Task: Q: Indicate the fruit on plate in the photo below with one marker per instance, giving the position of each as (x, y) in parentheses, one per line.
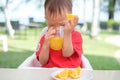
(78, 69)
(75, 73)
(70, 16)
(63, 74)
(69, 73)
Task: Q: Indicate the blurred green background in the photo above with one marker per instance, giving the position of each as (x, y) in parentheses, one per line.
(100, 38)
(100, 53)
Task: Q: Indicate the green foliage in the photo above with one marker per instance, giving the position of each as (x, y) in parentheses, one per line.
(1, 9)
(111, 22)
(103, 25)
(109, 6)
(43, 24)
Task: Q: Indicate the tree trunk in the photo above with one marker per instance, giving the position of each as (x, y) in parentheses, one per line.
(7, 19)
(8, 24)
(111, 8)
(95, 23)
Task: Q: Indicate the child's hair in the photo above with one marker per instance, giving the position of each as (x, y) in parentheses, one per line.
(58, 5)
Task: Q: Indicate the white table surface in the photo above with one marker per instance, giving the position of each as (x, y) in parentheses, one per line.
(45, 74)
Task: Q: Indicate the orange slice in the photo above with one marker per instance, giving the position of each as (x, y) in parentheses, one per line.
(69, 73)
(70, 16)
(78, 69)
(76, 73)
(63, 74)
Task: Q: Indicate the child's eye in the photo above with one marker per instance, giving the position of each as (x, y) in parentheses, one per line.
(62, 24)
(51, 25)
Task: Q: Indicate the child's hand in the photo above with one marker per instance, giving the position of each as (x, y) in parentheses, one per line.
(50, 33)
(70, 25)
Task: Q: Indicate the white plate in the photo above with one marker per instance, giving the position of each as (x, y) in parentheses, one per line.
(85, 75)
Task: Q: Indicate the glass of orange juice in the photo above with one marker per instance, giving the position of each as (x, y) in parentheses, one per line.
(57, 41)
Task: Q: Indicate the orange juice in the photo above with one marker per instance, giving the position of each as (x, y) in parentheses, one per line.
(56, 43)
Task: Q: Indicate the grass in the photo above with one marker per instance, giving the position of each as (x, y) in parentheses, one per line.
(99, 53)
(19, 48)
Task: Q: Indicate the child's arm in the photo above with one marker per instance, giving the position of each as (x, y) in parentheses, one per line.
(44, 53)
(67, 45)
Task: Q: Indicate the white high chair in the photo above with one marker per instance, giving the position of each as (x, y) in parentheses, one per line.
(32, 62)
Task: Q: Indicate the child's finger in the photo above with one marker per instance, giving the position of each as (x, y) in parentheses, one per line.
(50, 28)
(50, 32)
(66, 24)
(76, 20)
(71, 23)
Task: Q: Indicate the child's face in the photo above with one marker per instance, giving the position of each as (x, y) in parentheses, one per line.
(56, 19)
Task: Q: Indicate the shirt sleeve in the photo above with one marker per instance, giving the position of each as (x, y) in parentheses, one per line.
(40, 44)
(77, 42)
